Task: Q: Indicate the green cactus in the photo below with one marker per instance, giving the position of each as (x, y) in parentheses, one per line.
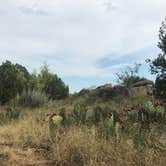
(57, 120)
(149, 113)
(111, 127)
(105, 112)
(160, 112)
(62, 113)
(55, 123)
(149, 106)
(89, 115)
(79, 113)
(117, 130)
(97, 114)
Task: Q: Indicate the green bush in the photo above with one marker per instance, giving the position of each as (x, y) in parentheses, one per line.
(32, 98)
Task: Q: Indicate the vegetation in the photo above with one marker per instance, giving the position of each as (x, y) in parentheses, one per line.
(13, 80)
(158, 65)
(16, 80)
(129, 76)
(104, 133)
(32, 98)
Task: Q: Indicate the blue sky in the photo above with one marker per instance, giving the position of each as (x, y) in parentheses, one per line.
(84, 41)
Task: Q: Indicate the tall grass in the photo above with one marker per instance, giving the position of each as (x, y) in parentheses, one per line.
(32, 98)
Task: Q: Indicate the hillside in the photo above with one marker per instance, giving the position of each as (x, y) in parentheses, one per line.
(125, 130)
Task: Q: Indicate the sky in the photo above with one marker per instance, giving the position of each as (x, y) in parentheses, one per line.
(85, 42)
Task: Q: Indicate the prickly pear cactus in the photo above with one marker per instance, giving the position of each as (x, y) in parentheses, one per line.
(89, 115)
(117, 130)
(160, 112)
(97, 114)
(62, 113)
(109, 124)
(79, 113)
(57, 120)
(54, 125)
(149, 106)
(110, 121)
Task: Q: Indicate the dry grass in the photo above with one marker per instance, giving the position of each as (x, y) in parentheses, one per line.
(26, 142)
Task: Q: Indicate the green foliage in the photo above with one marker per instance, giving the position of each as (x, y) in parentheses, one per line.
(50, 84)
(55, 123)
(12, 81)
(160, 114)
(32, 98)
(160, 86)
(65, 120)
(150, 114)
(55, 88)
(11, 113)
(129, 76)
(97, 114)
(79, 113)
(112, 126)
(15, 79)
(139, 141)
(158, 65)
(89, 115)
(57, 120)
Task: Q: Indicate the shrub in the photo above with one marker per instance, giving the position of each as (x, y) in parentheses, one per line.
(32, 98)
(129, 76)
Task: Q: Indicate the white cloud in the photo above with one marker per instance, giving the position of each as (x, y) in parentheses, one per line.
(74, 34)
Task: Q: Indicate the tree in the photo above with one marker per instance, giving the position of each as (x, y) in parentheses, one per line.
(158, 65)
(129, 76)
(13, 79)
(49, 83)
(56, 88)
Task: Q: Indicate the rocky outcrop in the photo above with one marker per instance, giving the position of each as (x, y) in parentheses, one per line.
(118, 91)
(84, 92)
(104, 86)
(108, 91)
(144, 82)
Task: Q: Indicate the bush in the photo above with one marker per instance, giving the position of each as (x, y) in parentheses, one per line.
(160, 86)
(32, 98)
(129, 76)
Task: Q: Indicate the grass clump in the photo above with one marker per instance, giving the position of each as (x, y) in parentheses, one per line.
(32, 98)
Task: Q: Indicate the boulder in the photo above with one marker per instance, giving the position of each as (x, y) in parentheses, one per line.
(104, 86)
(144, 82)
(118, 91)
(84, 92)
